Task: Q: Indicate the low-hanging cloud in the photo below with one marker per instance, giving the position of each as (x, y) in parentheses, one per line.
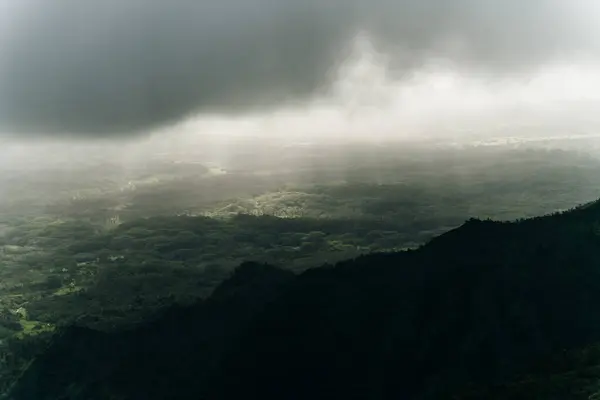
(107, 67)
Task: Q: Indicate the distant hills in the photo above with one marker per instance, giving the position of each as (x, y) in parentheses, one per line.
(487, 310)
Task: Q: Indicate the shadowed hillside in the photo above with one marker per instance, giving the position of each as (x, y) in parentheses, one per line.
(477, 311)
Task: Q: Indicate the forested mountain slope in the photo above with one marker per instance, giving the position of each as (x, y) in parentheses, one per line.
(477, 311)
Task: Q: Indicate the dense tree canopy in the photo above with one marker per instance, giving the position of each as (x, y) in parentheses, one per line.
(464, 315)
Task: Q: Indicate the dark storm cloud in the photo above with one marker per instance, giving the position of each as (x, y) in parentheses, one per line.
(120, 66)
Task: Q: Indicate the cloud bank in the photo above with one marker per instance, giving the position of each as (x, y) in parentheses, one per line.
(110, 67)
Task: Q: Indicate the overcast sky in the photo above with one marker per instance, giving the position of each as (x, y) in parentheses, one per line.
(117, 67)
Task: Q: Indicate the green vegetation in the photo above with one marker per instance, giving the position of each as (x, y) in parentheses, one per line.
(487, 310)
(109, 247)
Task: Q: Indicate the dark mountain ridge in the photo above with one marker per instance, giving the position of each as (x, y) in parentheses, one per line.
(477, 307)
